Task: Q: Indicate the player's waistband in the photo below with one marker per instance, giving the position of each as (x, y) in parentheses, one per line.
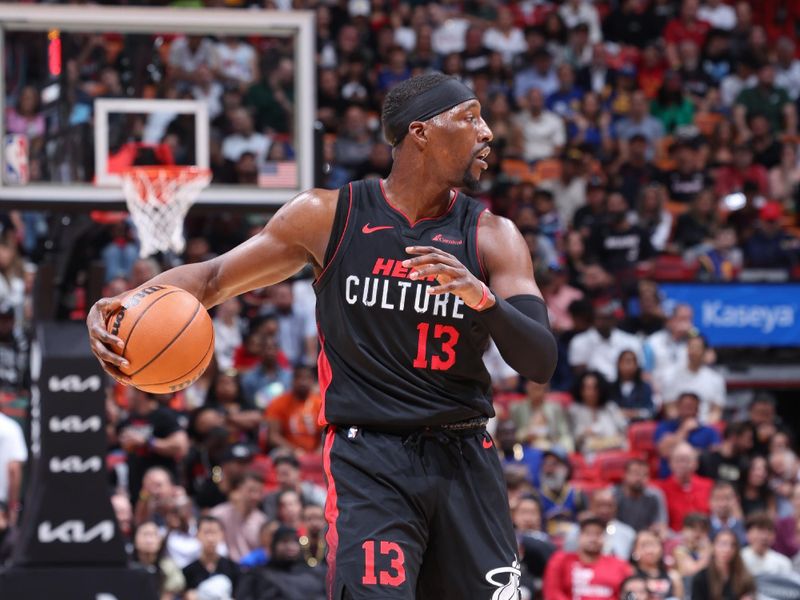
(468, 426)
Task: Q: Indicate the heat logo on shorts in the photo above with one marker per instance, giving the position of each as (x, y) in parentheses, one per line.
(507, 580)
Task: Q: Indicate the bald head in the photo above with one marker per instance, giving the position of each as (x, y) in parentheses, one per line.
(683, 461)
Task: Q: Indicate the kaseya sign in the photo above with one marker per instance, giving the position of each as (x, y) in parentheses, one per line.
(742, 314)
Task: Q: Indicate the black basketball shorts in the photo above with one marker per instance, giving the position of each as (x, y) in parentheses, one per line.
(422, 516)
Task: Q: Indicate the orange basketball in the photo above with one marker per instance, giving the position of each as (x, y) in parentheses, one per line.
(168, 336)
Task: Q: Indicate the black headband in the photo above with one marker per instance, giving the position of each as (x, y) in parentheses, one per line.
(428, 104)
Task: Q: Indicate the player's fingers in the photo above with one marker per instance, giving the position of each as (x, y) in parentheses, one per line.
(99, 333)
(108, 305)
(428, 259)
(452, 286)
(106, 356)
(435, 269)
(115, 373)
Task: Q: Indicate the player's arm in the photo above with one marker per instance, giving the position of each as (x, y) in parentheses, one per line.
(512, 308)
(297, 234)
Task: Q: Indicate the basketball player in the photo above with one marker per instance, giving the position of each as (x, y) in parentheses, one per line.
(412, 277)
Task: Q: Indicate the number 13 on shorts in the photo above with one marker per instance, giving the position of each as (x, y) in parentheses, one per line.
(394, 575)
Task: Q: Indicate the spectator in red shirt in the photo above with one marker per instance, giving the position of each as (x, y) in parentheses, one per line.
(685, 27)
(731, 178)
(585, 574)
(685, 491)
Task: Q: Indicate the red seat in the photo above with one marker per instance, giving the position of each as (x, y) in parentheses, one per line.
(580, 470)
(611, 464)
(641, 437)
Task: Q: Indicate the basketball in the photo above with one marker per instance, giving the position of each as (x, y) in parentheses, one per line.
(168, 337)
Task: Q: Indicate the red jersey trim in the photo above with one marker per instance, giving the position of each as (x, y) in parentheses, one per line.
(406, 217)
(331, 511)
(477, 246)
(324, 375)
(341, 239)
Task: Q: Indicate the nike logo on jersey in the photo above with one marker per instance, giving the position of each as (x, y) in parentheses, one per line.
(487, 443)
(367, 229)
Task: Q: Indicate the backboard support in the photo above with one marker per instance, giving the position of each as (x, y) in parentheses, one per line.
(149, 20)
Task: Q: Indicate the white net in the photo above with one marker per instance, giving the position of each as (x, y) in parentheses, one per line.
(158, 199)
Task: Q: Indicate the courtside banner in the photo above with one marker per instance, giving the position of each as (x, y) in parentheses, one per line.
(763, 314)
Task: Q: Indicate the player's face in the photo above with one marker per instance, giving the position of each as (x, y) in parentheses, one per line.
(463, 139)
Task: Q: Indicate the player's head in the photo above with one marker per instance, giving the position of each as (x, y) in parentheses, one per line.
(438, 118)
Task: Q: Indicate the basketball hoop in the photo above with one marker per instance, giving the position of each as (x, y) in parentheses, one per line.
(158, 199)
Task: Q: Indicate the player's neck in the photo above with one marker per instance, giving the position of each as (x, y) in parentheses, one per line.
(417, 191)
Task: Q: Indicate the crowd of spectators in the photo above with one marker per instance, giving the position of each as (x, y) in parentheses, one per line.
(629, 137)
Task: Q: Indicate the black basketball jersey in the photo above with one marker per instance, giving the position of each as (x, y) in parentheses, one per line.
(393, 355)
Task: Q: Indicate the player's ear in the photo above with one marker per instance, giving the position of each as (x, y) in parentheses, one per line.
(418, 132)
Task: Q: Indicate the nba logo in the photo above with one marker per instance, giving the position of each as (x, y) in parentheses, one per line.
(15, 171)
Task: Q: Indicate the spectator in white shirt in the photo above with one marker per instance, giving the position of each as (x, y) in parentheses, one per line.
(543, 132)
(187, 54)
(235, 62)
(758, 556)
(504, 37)
(666, 348)
(245, 138)
(13, 454)
(573, 12)
(717, 14)
(787, 69)
(598, 348)
(227, 332)
(697, 378)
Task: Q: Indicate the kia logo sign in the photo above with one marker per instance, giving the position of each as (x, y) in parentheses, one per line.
(74, 424)
(74, 384)
(75, 532)
(75, 464)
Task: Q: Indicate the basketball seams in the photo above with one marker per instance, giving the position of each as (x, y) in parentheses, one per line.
(139, 318)
(200, 362)
(172, 341)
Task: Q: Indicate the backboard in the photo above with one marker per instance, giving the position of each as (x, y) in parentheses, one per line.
(86, 117)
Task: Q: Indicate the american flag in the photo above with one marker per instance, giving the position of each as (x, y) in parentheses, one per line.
(278, 174)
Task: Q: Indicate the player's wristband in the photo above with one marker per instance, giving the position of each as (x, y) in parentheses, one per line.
(484, 298)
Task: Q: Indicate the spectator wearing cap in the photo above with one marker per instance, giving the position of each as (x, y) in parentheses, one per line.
(758, 556)
(240, 515)
(598, 348)
(586, 574)
(639, 504)
(560, 501)
(618, 538)
(617, 244)
(542, 133)
(292, 416)
(597, 424)
(539, 76)
(210, 532)
(639, 121)
(684, 490)
(586, 214)
(725, 511)
(767, 99)
(684, 428)
(697, 378)
(286, 576)
(726, 461)
(770, 246)
(215, 465)
(287, 474)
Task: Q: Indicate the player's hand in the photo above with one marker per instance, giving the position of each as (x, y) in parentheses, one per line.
(452, 276)
(100, 340)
